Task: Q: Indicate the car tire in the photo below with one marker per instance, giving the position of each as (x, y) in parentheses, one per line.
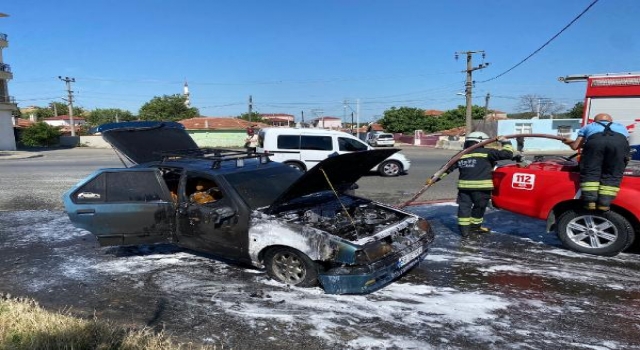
(592, 232)
(296, 165)
(390, 168)
(290, 266)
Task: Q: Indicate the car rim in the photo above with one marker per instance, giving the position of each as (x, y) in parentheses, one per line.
(592, 231)
(391, 168)
(289, 268)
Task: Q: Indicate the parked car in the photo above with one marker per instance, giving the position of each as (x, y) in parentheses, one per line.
(304, 148)
(382, 139)
(301, 227)
(549, 189)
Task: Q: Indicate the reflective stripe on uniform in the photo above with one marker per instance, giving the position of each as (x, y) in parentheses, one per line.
(476, 184)
(608, 190)
(590, 186)
(464, 221)
(475, 155)
(476, 221)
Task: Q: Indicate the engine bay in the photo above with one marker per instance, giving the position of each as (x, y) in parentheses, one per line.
(353, 221)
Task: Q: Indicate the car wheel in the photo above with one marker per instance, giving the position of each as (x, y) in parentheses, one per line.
(296, 165)
(291, 266)
(390, 168)
(598, 233)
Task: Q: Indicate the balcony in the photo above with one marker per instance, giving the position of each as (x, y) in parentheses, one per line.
(5, 71)
(3, 40)
(7, 103)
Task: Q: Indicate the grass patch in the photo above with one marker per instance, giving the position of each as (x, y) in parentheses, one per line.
(26, 325)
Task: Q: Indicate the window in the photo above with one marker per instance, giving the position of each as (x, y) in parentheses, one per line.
(524, 128)
(350, 145)
(288, 142)
(133, 186)
(565, 130)
(92, 192)
(316, 143)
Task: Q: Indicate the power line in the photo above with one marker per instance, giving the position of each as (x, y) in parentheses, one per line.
(545, 44)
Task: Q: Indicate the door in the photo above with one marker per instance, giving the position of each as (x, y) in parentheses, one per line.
(208, 220)
(123, 206)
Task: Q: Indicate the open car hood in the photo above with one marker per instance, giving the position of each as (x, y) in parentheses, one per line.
(337, 173)
(141, 142)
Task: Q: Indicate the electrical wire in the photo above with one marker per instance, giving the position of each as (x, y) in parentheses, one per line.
(545, 44)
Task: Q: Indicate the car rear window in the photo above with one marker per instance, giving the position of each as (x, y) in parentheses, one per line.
(385, 136)
(263, 186)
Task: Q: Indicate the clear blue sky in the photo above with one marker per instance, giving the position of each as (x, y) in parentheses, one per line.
(294, 56)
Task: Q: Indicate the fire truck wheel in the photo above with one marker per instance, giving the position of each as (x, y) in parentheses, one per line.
(593, 232)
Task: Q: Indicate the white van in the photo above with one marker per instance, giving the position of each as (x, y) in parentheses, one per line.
(304, 148)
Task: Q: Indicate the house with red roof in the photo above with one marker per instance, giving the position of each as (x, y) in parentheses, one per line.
(64, 122)
(219, 131)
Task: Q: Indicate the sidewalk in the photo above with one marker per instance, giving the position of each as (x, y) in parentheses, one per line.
(6, 155)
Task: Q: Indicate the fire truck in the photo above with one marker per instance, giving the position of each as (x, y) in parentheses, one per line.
(549, 188)
(617, 94)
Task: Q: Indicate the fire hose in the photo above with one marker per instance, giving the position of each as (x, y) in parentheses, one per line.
(459, 155)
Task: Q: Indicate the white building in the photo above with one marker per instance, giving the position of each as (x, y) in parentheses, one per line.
(64, 122)
(7, 103)
(327, 123)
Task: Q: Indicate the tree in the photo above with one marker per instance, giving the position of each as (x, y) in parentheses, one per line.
(55, 109)
(403, 119)
(541, 106)
(167, 108)
(108, 115)
(577, 111)
(40, 134)
(253, 117)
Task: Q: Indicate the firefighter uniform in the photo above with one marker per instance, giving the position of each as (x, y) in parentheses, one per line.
(604, 157)
(475, 182)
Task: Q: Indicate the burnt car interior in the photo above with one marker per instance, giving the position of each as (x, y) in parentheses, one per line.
(201, 190)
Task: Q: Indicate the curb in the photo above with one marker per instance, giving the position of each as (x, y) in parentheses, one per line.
(10, 155)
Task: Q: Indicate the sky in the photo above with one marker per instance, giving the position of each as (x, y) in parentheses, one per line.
(312, 58)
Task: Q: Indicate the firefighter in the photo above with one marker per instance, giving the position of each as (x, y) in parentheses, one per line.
(605, 154)
(475, 181)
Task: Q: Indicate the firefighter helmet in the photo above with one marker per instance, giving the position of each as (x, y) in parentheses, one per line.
(475, 137)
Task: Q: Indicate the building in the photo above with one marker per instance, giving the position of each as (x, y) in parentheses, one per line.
(7, 103)
(279, 119)
(560, 127)
(64, 122)
(326, 123)
(219, 131)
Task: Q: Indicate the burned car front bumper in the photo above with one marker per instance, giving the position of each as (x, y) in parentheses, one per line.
(363, 279)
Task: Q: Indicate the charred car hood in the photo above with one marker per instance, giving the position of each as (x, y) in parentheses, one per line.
(337, 173)
(141, 142)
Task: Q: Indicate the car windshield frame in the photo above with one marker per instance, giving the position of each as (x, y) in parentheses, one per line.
(261, 187)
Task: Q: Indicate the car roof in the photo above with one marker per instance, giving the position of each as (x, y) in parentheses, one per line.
(308, 131)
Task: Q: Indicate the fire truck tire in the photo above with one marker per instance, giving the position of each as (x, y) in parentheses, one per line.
(593, 232)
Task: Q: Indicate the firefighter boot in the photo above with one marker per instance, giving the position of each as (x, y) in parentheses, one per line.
(477, 228)
(464, 230)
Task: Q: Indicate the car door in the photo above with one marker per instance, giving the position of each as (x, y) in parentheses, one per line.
(123, 206)
(315, 148)
(211, 222)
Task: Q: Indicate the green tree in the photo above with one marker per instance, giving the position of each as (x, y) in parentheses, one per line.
(167, 108)
(40, 134)
(577, 111)
(101, 116)
(403, 119)
(253, 117)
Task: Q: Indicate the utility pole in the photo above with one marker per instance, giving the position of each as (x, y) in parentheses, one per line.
(250, 107)
(486, 104)
(302, 115)
(469, 84)
(68, 81)
(55, 109)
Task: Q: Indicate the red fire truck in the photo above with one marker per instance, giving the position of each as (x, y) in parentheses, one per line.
(617, 94)
(549, 189)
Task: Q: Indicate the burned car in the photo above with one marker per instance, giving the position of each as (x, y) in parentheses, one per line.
(303, 228)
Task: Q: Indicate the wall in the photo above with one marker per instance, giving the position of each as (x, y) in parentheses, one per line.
(218, 138)
(540, 126)
(7, 140)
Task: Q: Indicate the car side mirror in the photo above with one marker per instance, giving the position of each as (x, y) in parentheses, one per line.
(223, 213)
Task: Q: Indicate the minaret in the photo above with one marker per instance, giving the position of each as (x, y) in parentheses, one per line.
(7, 103)
(185, 93)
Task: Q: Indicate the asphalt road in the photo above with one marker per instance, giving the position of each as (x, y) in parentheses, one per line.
(517, 289)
